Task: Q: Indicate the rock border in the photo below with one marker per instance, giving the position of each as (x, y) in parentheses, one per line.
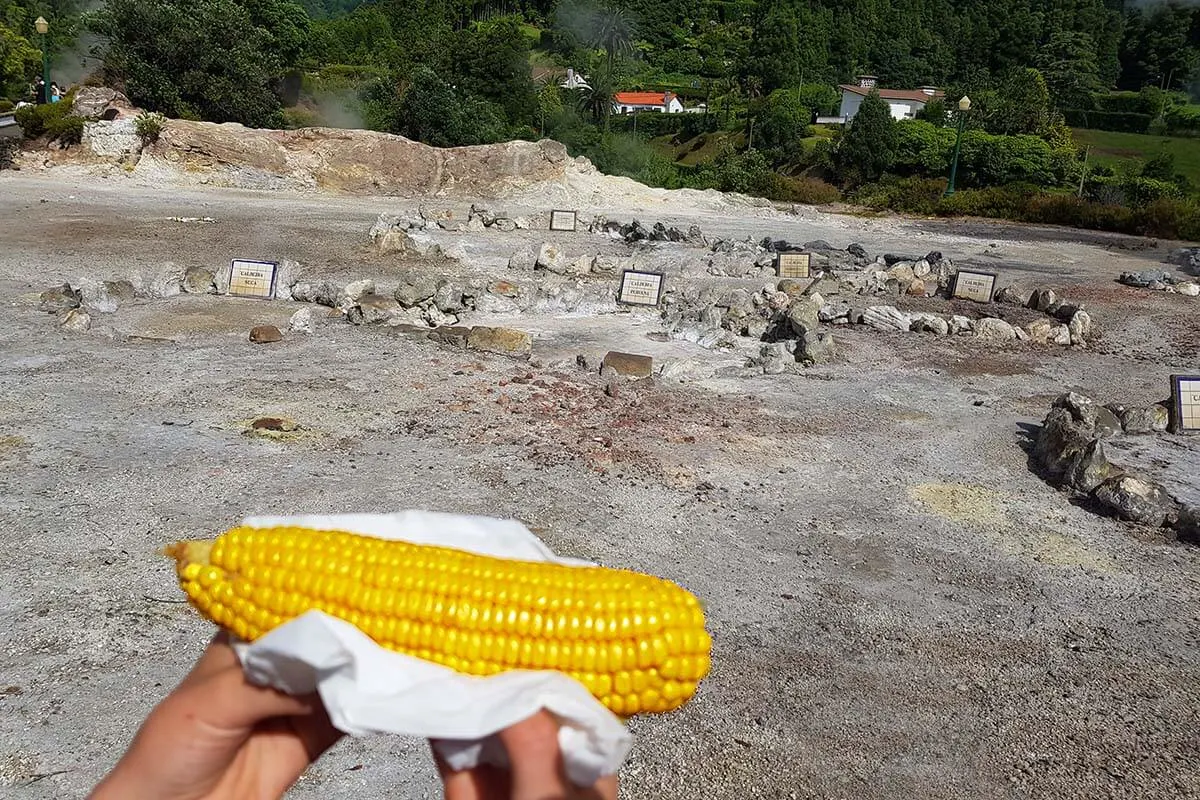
(1069, 452)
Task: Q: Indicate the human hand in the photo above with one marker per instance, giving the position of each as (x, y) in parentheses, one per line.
(535, 769)
(219, 737)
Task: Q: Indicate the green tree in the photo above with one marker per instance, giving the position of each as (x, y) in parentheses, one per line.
(868, 147)
(775, 44)
(1020, 104)
(782, 121)
(210, 59)
(922, 148)
(434, 112)
(1068, 62)
(19, 63)
(491, 60)
(1161, 46)
(934, 112)
(598, 100)
(611, 30)
(550, 104)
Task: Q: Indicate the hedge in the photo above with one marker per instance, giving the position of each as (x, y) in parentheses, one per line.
(1121, 121)
(1182, 120)
(1167, 217)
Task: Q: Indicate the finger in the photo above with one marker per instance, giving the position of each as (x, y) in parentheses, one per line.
(605, 788)
(218, 655)
(477, 783)
(227, 700)
(316, 731)
(534, 758)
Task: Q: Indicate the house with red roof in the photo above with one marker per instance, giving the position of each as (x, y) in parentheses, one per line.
(663, 102)
(904, 103)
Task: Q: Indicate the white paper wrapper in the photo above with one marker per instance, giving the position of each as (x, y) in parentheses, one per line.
(367, 689)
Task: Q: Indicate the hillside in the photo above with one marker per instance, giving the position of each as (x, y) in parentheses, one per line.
(1129, 150)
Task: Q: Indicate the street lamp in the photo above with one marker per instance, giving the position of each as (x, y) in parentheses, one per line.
(964, 105)
(43, 27)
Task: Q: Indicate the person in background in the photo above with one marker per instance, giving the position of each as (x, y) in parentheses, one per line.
(55, 93)
(39, 91)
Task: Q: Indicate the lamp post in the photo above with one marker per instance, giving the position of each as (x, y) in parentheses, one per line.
(964, 105)
(43, 27)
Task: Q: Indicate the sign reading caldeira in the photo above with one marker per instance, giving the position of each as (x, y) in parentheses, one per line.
(640, 288)
(793, 265)
(977, 286)
(1185, 397)
(564, 220)
(252, 278)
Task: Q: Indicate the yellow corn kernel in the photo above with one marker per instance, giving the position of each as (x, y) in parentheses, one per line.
(636, 642)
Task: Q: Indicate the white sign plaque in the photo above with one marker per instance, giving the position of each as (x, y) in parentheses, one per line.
(563, 220)
(793, 265)
(252, 279)
(1185, 391)
(640, 288)
(977, 286)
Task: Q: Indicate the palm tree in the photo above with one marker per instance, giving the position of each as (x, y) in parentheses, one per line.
(598, 99)
(612, 31)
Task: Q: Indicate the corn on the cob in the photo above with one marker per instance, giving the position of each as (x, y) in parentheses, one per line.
(636, 642)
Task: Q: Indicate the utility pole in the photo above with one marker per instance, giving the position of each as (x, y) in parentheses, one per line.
(1083, 176)
(43, 28)
(964, 105)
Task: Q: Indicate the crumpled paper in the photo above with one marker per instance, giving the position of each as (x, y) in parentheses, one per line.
(367, 689)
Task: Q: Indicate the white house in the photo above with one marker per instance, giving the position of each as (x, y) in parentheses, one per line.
(663, 102)
(904, 103)
(574, 81)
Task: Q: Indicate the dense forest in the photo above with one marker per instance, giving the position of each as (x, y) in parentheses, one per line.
(453, 72)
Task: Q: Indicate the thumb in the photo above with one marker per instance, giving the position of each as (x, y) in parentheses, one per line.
(226, 699)
(534, 759)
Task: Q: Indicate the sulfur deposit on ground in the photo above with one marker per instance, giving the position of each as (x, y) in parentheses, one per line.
(901, 606)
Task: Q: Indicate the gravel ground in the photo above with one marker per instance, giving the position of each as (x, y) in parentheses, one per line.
(900, 608)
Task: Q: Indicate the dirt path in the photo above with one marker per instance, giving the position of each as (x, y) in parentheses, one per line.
(900, 608)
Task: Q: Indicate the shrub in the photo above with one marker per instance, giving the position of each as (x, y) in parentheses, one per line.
(1131, 190)
(1002, 160)
(300, 117)
(911, 195)
(1170, 219)
(1121, 121)
(811, 191)
(1182, 120)
(67, 129)
(149, 127)
(5, 106)
(53, 120)
(997, 202)
(1128, 102)
(922, 148)
(648, 124)
(31, 121)
(1065, 209)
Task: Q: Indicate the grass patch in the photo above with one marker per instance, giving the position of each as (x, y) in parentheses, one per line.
(532, 32)
(699, 150)
(1115, 149)
(540, 58)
